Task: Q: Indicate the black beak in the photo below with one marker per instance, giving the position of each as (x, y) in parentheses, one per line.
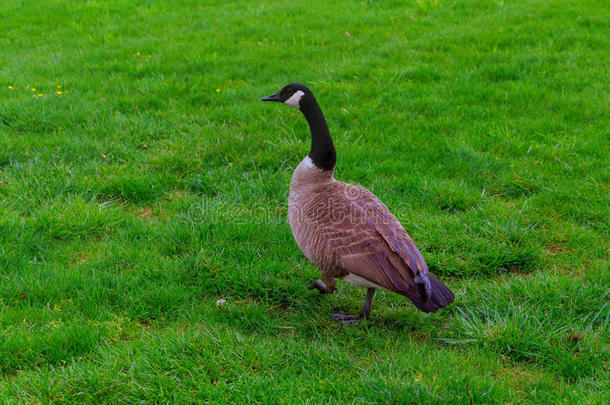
(273, 97)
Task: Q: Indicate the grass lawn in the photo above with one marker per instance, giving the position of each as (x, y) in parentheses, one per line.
(141, 179)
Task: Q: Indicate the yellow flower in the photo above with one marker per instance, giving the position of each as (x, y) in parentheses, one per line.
(10, 87)
(40, 94)
(138, 54)
(58, 92)
(58, 86)
(33, 89)
(217, 90)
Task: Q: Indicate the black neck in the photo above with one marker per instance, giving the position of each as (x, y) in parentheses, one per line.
(322, 151)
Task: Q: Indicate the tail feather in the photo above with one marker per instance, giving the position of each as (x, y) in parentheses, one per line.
(439, 296)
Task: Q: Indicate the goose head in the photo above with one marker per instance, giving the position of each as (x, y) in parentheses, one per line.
(298, 96)
(293, 94)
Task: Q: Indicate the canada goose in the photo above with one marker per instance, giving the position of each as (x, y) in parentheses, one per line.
(345, 230)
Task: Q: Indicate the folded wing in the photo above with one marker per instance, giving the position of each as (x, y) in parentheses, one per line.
(365, 239)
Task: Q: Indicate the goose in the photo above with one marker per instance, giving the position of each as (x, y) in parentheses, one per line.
(345, 230)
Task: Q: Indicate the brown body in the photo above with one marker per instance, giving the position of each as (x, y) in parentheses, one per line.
(349, 234)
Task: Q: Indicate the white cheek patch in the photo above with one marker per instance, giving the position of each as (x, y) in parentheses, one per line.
(293, 101)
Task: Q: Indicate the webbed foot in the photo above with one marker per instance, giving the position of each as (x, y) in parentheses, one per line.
(347, 319)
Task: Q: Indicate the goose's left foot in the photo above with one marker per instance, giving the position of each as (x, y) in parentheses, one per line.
(347, 318)
(364, 314)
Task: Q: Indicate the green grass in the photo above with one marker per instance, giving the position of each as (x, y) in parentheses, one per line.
(135, 199)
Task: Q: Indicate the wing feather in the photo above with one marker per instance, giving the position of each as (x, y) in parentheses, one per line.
(365, 239)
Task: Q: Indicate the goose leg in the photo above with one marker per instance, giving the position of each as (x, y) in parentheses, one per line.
(320, 286)
(364, 313)
(366, 308)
